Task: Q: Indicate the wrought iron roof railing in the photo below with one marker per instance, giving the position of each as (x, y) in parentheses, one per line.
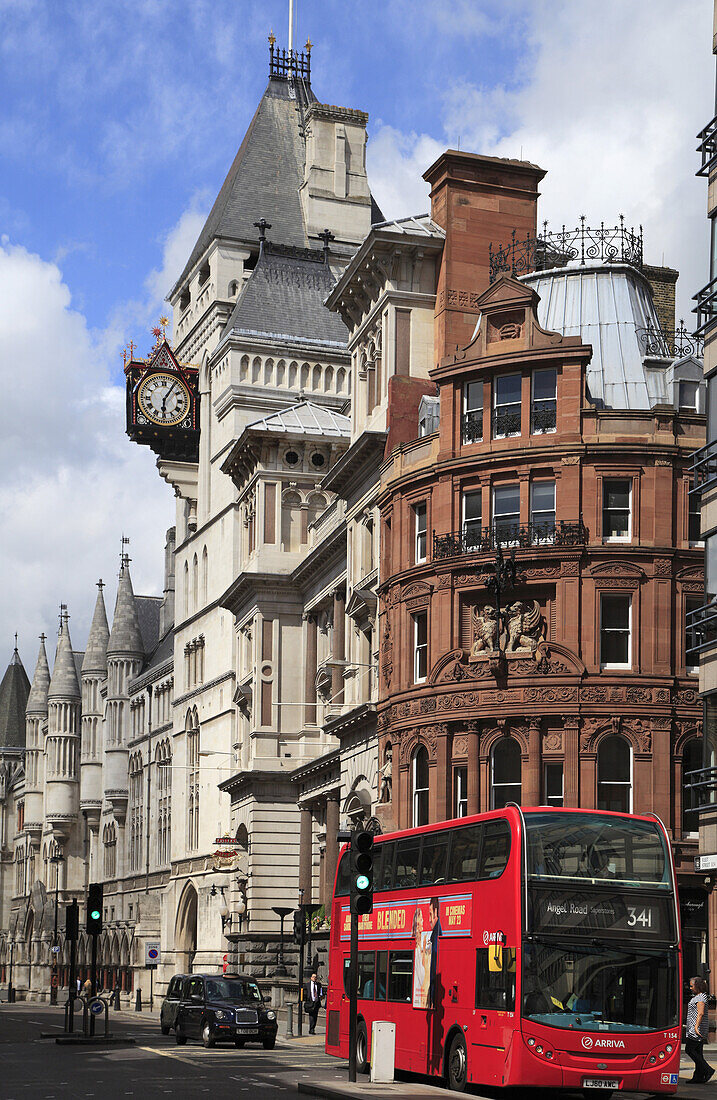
(707, 147)
(670, 345)
(604, 244)
(704, 467)
(289, 62)
(484, 540)
(701, 625)
(706, 308)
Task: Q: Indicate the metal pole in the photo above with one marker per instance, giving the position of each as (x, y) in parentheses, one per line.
(10, 990)
(93, 979)
(151, 988)
(353, 983)
(73, 983)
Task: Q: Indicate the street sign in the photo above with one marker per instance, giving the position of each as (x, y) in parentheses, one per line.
(229, 841)
(152, 954)
(706, 863)
(56, 950)
(96, 1007)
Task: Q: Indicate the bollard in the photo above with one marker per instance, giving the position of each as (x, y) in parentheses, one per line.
(116, 999)
(289, 1034)
(138, 1001)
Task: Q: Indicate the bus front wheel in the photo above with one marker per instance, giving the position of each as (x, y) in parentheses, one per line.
(457, 1067)
(361, 1048)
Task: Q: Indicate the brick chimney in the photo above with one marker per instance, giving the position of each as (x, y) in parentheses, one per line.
(478, 201)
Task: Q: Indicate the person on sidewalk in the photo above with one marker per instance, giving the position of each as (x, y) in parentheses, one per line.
(312, 1001)
(697, 1031)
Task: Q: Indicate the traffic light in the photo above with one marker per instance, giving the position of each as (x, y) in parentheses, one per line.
(94, 909)
(361, 885)
(299, 926)
(72, 921)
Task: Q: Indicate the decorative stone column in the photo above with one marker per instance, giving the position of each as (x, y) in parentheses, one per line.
(331, 853)
(338, 647)
(571, 778)
(310, 672)
(531, 787)
(305, 853)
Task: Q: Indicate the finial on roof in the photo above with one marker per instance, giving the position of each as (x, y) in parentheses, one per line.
(16, 641)
(262, 225)
(95, 659)
(43, 637)
(272, 39)
(100, 584)
(64, 616)
(125, 559)
(308, 45)
(327, 236)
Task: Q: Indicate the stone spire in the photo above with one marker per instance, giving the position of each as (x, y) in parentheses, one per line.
(37, 699)
(14, 691)
(64, 683)
(95, 659)
(126, 637)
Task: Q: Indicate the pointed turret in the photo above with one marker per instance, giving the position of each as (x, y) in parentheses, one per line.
(14, 690)
(64, 683)
(37, 699)
(95, 659)
(126, 637)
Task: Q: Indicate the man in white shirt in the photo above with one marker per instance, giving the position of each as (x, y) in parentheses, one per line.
(312, 1001)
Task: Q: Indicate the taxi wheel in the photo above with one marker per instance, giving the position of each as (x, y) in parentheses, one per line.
(457, 1065)
(269, 1044)
(180, 1038)
(362, 1065)
(208, 1035)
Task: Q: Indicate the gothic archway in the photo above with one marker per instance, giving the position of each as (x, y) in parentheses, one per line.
(185, 932)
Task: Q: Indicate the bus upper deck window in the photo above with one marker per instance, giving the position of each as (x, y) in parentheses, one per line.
(496, 849)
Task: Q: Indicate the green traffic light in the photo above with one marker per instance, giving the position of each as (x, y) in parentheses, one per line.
(362, 882)
(95, 914)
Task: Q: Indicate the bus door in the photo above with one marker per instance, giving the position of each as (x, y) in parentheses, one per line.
(493, 1017)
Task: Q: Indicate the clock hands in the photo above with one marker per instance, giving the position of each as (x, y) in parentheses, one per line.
(164, 401)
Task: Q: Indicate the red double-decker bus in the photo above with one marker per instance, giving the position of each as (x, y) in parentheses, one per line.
(520, 947)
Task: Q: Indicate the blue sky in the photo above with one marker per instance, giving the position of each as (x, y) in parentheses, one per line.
(119, 120)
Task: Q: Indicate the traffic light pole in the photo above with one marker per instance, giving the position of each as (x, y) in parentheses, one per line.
(353, 999)
(93, 979)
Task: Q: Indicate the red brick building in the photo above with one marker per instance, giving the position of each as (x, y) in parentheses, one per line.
(570, 455)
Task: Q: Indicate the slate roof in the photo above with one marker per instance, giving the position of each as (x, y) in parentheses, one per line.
(606, 305)
(284, 298)
(265, 177)
(14, 690)
(307, 418)
(148, 612)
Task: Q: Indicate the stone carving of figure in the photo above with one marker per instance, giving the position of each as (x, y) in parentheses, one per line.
(386, 775)
(525, 625)
(484, 625)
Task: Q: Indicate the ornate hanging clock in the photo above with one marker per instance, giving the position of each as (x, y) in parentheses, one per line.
(163, 403)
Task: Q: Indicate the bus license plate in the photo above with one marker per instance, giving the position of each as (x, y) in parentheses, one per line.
(600, 1083)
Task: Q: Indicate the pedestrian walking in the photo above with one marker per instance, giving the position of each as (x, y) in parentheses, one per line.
(87, 989)
(312, 1001)
(698, 1031)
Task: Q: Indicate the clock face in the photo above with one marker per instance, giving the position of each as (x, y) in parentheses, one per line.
(163, 399)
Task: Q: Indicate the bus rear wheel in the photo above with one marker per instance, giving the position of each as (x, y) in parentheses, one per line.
(457, 1065)
(361, 1048)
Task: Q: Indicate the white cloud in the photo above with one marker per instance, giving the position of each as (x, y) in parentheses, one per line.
(609, 102)
(73, 483)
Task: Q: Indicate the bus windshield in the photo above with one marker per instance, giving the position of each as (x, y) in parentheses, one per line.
(596, 849)
(599, 988)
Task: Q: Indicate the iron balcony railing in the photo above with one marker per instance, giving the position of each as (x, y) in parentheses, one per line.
(707, 147)
(472, 427)
(506, 423)
(483, 540)
(701, 627)
(706, 308)
(704, 467)
(544, 418)
(603, 244)
(698, 786)
(670, 345)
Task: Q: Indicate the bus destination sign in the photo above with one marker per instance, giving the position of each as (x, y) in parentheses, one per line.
(560, 910)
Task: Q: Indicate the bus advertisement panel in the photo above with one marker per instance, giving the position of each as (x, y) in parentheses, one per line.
(517, 948)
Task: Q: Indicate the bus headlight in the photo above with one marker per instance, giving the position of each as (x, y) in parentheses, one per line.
(661, 1055)
(652, 1059)
(668, 1048)
(531, 1042)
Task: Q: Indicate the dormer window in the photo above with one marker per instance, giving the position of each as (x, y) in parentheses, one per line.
(233, 289)
(688, 396)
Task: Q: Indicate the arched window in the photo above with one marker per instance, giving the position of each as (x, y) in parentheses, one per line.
(195, 583)
(204, 576)
(185, 594)
(691, 762)
(506, 776)
(419, 775)
(614, 769)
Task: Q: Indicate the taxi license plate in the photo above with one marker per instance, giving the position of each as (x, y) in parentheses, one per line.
(601, 1083)
(247, 1030)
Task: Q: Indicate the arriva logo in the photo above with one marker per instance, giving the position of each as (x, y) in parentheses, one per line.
(588, 1042)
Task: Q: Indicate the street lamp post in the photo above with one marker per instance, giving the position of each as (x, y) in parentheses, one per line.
(281, 911)
(57, 859)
